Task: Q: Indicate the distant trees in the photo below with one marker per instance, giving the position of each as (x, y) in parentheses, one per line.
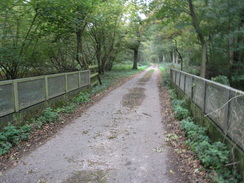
(209, 33)
(43, 36)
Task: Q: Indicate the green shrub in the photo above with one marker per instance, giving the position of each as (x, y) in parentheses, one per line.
(221, 79)
(49, 115)
(82, 98)
(213, 155)
(4, 144)
(66, 109)
(181, 112)
(172, 94)
(11, 135)
(25, 131)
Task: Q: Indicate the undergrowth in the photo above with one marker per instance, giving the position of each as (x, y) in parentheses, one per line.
(213, 155)
(11, 134)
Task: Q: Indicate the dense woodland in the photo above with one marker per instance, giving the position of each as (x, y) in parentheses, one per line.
(205, 37)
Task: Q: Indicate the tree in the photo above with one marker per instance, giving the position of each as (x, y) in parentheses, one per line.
(18, 25)
(196, 25)
(134, 28)
(70, 16)
(105, 31)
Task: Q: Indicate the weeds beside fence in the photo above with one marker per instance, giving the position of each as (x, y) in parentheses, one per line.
(223, 104)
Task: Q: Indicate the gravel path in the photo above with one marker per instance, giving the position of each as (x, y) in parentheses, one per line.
(118, 140)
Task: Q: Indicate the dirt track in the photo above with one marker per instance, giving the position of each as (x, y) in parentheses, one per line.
(119, 139)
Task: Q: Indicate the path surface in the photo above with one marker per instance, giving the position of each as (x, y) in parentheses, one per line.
(118, 140)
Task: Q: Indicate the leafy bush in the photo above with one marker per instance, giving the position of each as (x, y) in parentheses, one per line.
(221, 79)
(172, 94)
(49, 115)
(213, 155)
(66, 109)
(180, 110)
(82, 98)
(11, 135)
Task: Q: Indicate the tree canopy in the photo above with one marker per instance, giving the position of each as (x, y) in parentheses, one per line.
(44, 36)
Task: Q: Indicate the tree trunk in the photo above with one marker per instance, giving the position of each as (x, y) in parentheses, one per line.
(79, 52)
(79, 48)
(136, 53)
(204, 60)
(201, 39)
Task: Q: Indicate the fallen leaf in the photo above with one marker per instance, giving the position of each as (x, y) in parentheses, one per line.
(158, 149)
(171, 171)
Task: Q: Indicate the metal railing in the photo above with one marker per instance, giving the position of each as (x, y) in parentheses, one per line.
(222, 104)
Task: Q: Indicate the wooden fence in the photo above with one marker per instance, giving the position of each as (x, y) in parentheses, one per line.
(18, 94)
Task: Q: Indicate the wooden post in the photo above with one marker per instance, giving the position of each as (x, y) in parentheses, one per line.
(79, 79)
(192, 87)
(185, 83)
(178, 84)
(46, 87)
(204, 96)
(16, 96)
(66, 83)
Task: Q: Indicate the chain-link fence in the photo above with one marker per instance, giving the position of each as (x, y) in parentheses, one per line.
(22, 93)
(223, 104)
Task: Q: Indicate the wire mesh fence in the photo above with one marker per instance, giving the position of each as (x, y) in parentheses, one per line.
(222, 104)
(6, 98)
(19, 94)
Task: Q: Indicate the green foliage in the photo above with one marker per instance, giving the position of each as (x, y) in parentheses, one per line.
(221, 79)
(179, 108)
(49, 115)
(12, 135)
(181, 112)
(83, 97)
(214, 156)
(66, 109)
(25, 131)
(172, 94)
